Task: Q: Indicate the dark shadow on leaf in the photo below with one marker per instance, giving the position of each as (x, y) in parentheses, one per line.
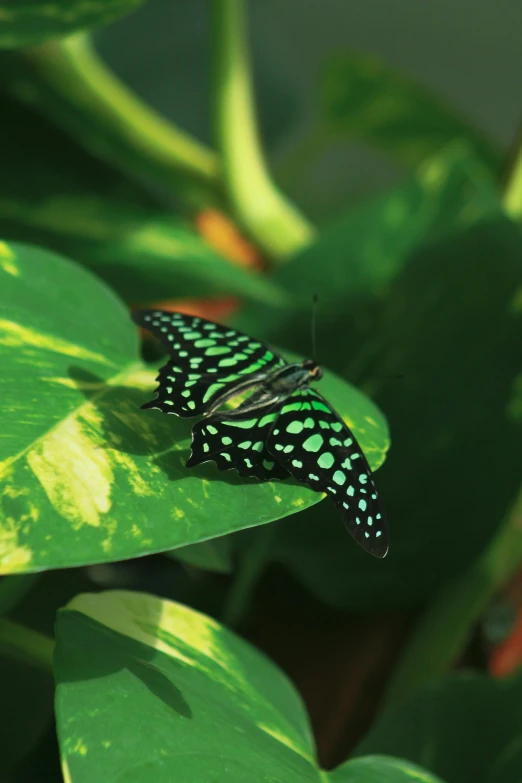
(91, 651)
(160, 686)
(126, 428)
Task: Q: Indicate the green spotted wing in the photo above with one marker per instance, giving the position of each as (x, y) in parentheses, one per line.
(209, 362)
(314, 444)
(237, 439)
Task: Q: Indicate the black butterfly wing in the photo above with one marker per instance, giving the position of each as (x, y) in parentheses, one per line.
(237, 439)
(314, 444)
(208, 360)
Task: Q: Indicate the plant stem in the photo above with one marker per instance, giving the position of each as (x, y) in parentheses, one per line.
(273, 222)
(251, 567)
(14, 588)
(512, 185)
(445, 627)
(90, 100)
(24, 644)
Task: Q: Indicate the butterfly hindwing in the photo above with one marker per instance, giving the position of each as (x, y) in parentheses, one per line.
(314, 444)
(237, 440)
(208, 360)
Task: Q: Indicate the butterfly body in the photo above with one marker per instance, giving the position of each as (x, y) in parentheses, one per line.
(282, 429)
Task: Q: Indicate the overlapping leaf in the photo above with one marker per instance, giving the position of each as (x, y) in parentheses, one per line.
(199, 704)
(88, 477)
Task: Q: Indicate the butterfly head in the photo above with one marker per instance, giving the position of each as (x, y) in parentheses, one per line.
(313, 369)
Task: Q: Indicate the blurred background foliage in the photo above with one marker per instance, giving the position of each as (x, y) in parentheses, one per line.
(393, 190)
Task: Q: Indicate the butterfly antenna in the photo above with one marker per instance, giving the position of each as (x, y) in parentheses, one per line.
(315, 299)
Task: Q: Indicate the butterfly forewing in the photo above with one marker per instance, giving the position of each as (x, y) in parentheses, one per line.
(207, 361)
(237, 440)
(314, 444)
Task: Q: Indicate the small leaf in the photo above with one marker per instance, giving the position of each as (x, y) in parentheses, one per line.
(199, 703)
(88, 477)
(466, 727)
(28, 22)
(364, 98)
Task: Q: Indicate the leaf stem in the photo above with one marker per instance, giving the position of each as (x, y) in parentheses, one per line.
(251, 567)
(271, 220)
(24, 644)
(512, 178)
(445, 627)
(112, 122)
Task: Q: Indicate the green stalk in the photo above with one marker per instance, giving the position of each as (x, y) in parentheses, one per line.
(271, 220)
(513, 191)
(24, 644)
(445, 627)
(252, 564)
(512, 180)
(89, 100)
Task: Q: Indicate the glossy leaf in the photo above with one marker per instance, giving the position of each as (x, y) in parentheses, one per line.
(54, 194)
(86, 475)
(29, 22)
(198, 702)
(465, 727)
(364, 98)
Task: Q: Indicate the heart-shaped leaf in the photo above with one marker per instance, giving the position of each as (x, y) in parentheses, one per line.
(199, 703)
(86, 476)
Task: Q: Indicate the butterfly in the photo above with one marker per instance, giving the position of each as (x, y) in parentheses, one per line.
(282, 429)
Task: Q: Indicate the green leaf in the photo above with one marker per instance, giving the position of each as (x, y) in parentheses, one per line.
(464, 727)
(86, 476)
(29, 22)
(198, 703)
(364, 98)
(54, 194)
